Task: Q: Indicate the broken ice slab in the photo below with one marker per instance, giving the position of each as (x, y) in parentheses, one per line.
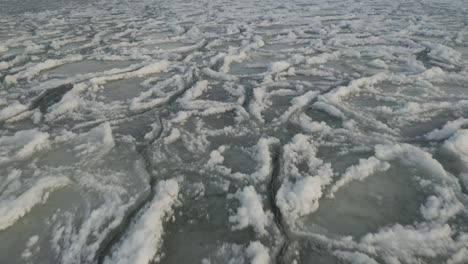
(365, 206)
(87, 66)
(76, 186)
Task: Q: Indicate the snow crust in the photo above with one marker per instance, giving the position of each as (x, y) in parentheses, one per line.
(22, 145)
(143, 240)
(14, 208)
(251, 212)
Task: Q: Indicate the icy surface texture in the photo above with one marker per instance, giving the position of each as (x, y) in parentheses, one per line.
(216, 131)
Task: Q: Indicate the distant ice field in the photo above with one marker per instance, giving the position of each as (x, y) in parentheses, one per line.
(211, 131)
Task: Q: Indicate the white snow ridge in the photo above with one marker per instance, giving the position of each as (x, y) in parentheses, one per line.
(216, 131)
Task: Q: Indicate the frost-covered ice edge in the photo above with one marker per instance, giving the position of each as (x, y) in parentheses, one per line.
(235, 132)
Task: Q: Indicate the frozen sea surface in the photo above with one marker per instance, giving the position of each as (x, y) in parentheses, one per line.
(234, 132)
